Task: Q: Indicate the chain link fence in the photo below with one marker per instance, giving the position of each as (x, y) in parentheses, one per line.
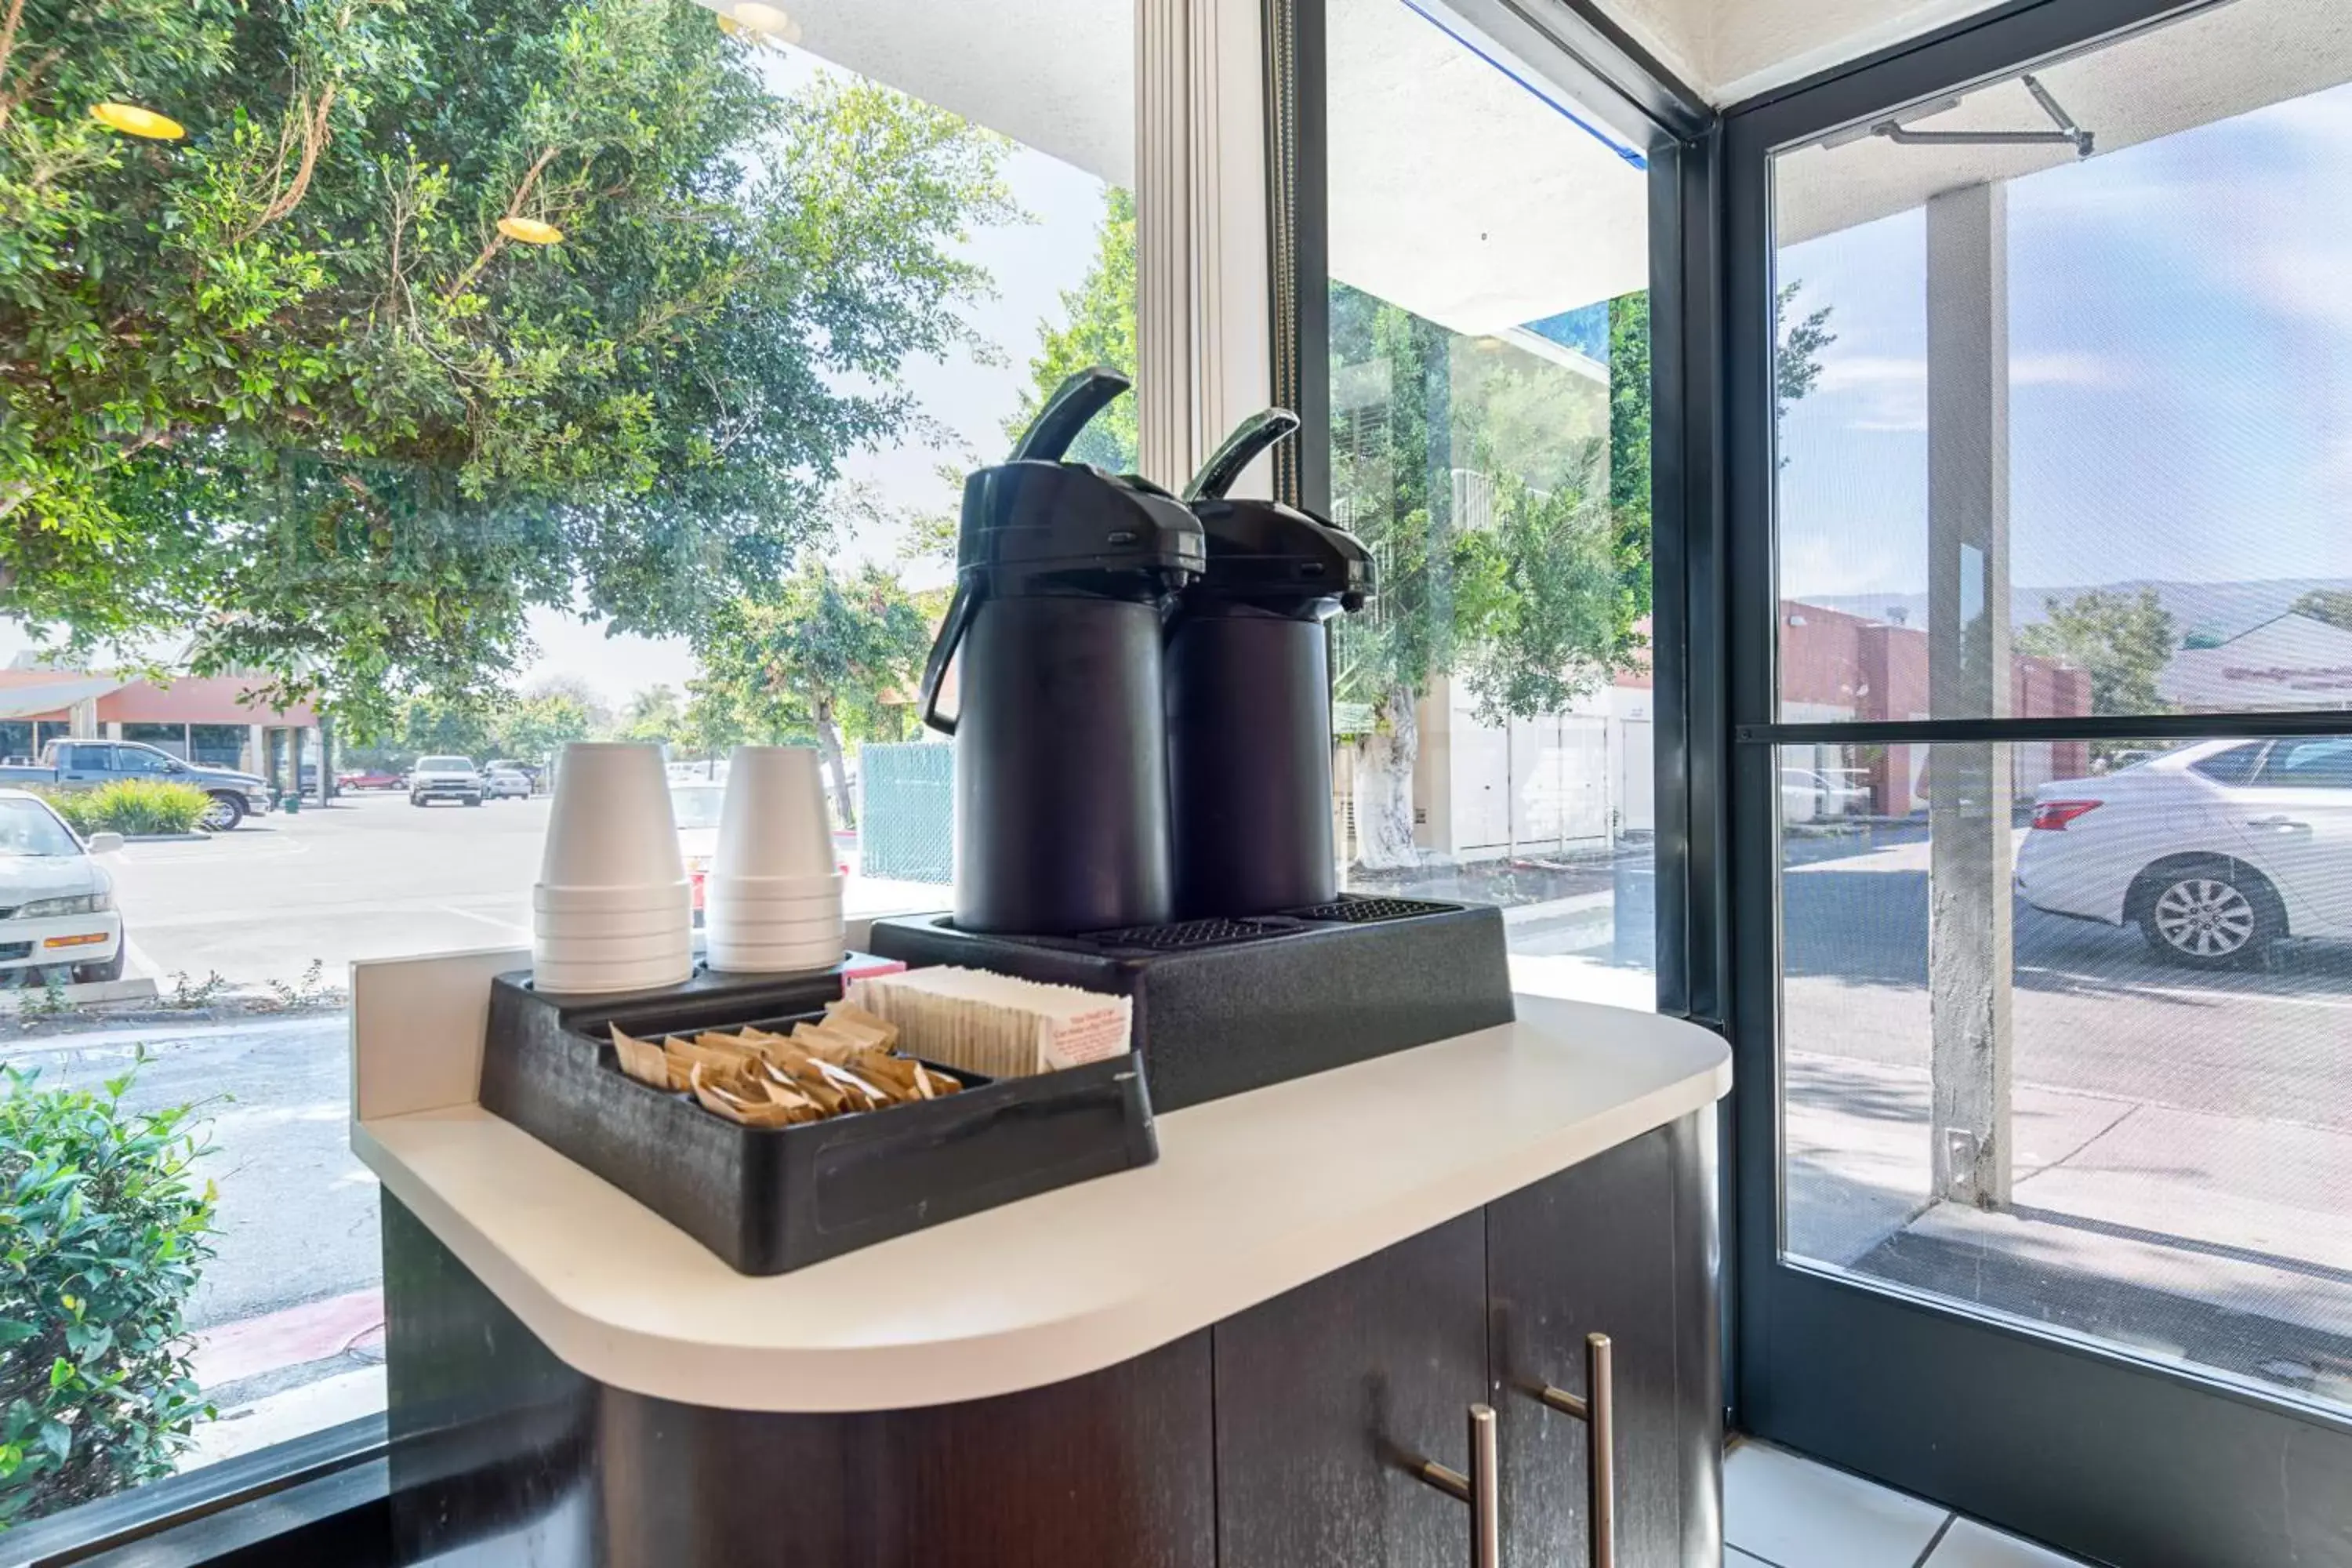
(907, 811)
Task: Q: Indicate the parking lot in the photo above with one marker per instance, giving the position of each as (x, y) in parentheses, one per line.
(367, 876)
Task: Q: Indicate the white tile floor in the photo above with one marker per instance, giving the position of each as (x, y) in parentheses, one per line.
(1783, 1512)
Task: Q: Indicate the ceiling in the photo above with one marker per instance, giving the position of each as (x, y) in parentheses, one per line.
(2208, 67)
(1463, 187)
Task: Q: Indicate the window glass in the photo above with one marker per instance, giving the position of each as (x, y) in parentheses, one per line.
(30, 828)
(138, 759)
(1490, 419)
(2090, 1081)
(2085, 410)
(2235, 764)
(536, 373)
(2310, 764)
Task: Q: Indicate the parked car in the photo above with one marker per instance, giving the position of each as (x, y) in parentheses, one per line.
(695, 803)
(1811, 794)
(445, 778)
(2215, 851)
(370, 778)
(87, 765)
(505, 780)
(58, 917)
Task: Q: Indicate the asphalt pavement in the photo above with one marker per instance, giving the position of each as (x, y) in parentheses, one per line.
(297, 1211)
(367, 876)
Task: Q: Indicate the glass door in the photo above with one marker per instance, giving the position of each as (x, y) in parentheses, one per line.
(2044, 512)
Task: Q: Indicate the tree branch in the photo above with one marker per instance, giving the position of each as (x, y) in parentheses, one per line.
(497, 240)
(316, 133)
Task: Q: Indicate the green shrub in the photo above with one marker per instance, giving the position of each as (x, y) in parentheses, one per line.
(102, 1235)
(132, 806)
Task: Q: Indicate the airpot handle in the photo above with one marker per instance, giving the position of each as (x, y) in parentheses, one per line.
(1077, 401)
(1253, 436)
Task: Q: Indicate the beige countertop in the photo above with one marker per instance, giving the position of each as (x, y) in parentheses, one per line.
(1251, 1196)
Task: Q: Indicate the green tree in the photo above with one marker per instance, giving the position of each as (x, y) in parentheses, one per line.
(290, 382)
(1629, 449)
(462, 727)
(652, 714)
(711, 724)
(2332, 606)
(2123, 641)
(1099, 329)
(534, 728)
(820, 655)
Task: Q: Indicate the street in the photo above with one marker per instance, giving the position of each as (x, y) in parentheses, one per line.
(297, 1210)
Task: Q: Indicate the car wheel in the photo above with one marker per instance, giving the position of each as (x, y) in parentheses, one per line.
(111, 970)
(2210, 914)
(416, 800)
(223, 814)
(473, 800)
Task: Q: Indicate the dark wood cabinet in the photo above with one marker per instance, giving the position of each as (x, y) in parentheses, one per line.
(1330, 1396)
(1622, 1245)
(1288, 1436)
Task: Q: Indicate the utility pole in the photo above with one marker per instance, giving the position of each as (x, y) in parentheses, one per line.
(1969, 916)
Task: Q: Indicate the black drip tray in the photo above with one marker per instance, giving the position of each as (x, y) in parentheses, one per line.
(1188, 934)
(1228, 1004)
(1361, 909)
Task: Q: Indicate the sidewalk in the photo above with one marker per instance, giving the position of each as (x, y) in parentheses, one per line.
(2224, 1241)
(287, 1373)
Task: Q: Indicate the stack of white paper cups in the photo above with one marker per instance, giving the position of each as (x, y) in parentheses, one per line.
(771, 904)
(612, 911)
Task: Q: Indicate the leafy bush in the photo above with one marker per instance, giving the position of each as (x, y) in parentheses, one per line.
(102, 1235)
(132, 806)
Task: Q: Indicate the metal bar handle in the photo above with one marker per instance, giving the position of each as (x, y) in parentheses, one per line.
(1482, 1488)
(1597, 1410)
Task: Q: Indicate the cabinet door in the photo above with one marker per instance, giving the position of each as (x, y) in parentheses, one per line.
(1622, 1245)
(1329, 1397)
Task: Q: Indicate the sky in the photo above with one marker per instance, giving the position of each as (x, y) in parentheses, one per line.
(2180, 370)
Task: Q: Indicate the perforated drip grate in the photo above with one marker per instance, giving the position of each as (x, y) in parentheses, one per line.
(1188, 934)
(1361, 909)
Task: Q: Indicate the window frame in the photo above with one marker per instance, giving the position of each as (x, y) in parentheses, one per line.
(2061, 1440)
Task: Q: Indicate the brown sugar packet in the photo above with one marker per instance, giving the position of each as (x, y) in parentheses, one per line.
(797, 1071)
(830, 1044)
(872, 1096)
(799, 1106)
(642, 1060)
(870, 1029)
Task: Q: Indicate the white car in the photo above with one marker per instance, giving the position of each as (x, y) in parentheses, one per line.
(445, 778)
(1811, 794)
(2215, 851)
(58, 919)
(502, 783)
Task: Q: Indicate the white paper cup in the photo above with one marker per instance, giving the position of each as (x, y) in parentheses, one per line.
(658, 896)
(827, 886)
(730, 906)
(610, 825)
(745, 937)
(723, 914)
(568, 925)
(577, 978)
(774, 822)
(774, 960)
(648, 948)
